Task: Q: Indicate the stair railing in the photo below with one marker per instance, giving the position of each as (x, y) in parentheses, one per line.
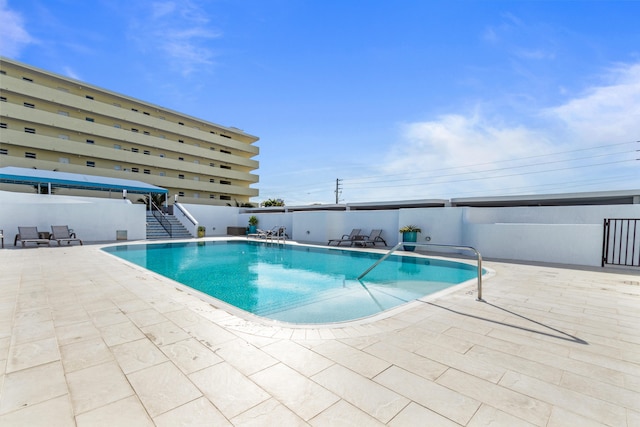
(161, 217)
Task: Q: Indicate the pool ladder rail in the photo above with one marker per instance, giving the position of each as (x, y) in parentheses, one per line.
(468, 248)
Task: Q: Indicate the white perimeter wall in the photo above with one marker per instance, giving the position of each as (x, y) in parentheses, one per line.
(558, 234)
(92, 219)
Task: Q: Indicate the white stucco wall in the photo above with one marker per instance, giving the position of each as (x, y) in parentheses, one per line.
(557, 234)
(215, 219)
(92, 219)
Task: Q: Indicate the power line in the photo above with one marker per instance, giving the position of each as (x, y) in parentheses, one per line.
(499, 176)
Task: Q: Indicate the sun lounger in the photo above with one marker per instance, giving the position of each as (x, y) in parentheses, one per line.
(346, 238)
(374, 237)
(29, 235)
(276, 232)
(61, 233)
(261, 234)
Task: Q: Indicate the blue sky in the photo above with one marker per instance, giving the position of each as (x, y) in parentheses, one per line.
(400, 100)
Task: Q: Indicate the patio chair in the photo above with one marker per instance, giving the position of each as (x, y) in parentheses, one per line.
(349, 238)
(61, 233)
(261, 234)
(374, 237)
(29, 235)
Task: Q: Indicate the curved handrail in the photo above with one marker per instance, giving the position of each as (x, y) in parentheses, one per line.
(186, 214)
(479, 258)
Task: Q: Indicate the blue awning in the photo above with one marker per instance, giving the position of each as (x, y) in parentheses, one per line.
(15, 175)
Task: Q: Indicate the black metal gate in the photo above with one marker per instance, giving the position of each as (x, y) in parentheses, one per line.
(621, 242)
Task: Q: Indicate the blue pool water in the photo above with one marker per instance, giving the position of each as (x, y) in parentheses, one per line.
(297, 284)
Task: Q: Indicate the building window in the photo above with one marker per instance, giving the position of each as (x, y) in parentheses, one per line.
(146, 133)
(62, 136)
(181, 158)
(30, 155)
(181, 141)
(225, 151)
(145, 113)
(212, 164)
(212, 196)
(117, 126)
(89, 119)
(134, 130)
(225, 197)
(181, 193)
(181, 124)
(161, 155)
(117, 167)
(162, 173)
(3, 99)
(91, 164)
(27, 79)
(196, 178)
(147, 171)
(225, 167)
(29, 130)
(4, 151)
(225, 136)
(89, 97)
(90, 141)
(196, 195)
(134, 150)
(181, 176)
(212, 180)
(136, 170)
(29, 105)
(147, 152)
(117, 146)
(63, 113)
(133, 109)
(225, 182)
(64, 160)
(3, 125)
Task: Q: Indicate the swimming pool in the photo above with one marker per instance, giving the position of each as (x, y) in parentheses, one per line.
(296, 283)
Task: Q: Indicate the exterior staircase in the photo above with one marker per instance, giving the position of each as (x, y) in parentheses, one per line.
(155, 230)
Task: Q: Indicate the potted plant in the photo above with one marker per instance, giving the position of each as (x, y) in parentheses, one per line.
(201, 230)
(253, 222)
(410, 234)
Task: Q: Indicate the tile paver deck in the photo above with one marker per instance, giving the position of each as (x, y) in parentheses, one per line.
(87, 340)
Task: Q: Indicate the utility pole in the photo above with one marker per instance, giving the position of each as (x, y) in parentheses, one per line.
(338, 189)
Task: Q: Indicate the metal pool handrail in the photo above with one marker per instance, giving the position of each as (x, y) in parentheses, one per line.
(469, 248)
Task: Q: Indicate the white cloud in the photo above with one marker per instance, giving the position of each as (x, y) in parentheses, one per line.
(606, 113)
(476, 154)
(71, 73)
(14, 35)
(180, 31)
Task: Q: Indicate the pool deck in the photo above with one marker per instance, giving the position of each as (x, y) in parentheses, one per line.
(88, 340)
